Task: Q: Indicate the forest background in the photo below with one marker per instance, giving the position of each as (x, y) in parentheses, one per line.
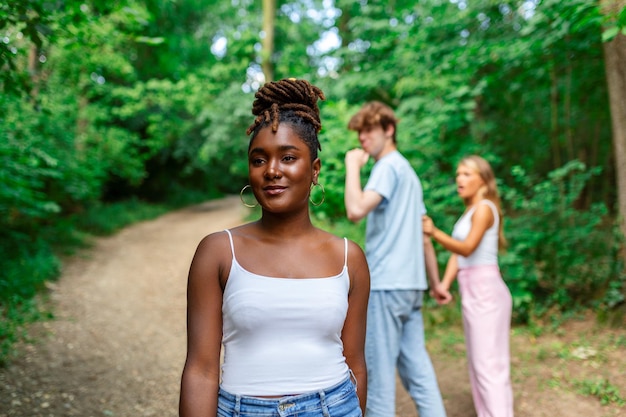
(112, 112)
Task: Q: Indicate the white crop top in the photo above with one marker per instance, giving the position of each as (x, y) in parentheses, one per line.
(487, 251)
(283, 335)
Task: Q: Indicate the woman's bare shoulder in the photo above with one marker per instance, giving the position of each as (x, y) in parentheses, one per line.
(215, 245)
(356, 254)
(333, 241)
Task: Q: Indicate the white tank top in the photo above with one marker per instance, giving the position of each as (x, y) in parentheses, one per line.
(283, 335)
(487, 251)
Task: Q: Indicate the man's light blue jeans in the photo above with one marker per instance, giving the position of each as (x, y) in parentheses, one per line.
(395, 338)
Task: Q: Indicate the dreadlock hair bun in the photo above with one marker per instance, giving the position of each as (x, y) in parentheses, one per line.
(291, 101)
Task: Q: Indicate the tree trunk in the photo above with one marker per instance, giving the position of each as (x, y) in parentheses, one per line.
(267, 50)
(615, 64)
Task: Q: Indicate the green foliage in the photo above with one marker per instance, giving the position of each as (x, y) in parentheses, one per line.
(27, 263)
(558, 255)
(342, 227)
(223, 143)
(133, 100)
(79, 129)
(13, 318)
(27, 25)
(335, 140)
(602, 389)
(105, 219)
(26, 165)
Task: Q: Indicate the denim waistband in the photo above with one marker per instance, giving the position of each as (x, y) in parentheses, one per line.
(317, 398)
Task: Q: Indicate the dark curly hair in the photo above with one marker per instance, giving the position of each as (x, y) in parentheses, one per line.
(290, 101)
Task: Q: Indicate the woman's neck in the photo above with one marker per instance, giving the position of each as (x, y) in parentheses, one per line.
(287, 226)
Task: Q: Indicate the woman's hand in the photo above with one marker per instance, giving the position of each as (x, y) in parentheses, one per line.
(441, 294)
(427, 225)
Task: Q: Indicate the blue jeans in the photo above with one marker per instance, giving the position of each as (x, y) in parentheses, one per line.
(395, 338)
(337, 401)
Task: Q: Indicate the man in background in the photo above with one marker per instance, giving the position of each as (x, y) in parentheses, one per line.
(398, 255)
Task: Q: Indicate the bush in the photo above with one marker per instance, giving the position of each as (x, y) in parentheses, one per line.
(559, 256)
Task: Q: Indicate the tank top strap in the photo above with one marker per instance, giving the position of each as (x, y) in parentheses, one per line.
(492, 206)
(345, 261)
(232, 246)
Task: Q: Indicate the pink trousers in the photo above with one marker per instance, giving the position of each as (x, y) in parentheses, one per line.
(486, 304)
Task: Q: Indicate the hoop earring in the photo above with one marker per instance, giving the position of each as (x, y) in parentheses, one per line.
(323, 194)
(256, 203)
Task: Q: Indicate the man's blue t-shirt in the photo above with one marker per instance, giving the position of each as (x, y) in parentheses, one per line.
(394, 242)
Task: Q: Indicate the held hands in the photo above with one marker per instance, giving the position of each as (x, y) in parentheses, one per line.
(428, 226)
(441, 294)
(356, 157)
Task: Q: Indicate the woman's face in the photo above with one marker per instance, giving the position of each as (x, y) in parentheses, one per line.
(280, 169)
(468, 182)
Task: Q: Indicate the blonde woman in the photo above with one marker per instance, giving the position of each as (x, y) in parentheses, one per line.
(485, 298)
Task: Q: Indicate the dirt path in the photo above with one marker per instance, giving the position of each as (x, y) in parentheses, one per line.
(117, 345)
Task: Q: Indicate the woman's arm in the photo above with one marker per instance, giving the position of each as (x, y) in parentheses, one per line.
(482, 219)
(353, 334)
(452, 268)
(200, 378)
(432, 271)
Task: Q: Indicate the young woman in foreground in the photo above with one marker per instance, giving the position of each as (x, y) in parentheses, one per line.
(485, 299)
(287, 300)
